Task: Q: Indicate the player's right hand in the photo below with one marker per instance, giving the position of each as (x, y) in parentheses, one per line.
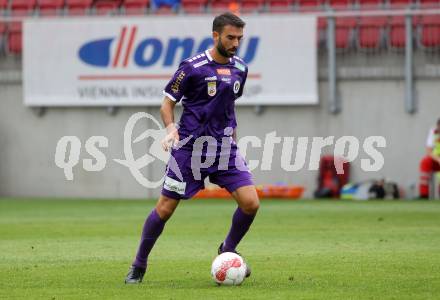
(170, 140)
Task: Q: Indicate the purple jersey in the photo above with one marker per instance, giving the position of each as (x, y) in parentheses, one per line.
(208, 91)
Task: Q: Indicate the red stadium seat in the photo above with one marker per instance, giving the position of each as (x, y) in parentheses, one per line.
(3, 27)
(14, 43)
(370, 32)
(194, 6)
(429, 3)
(322, 31)
(341, 4)
(344, 32)
(280, 6)
(395, 4)
(107, 7)
(135, 7)
(164, 10)
(308, 5)
(24, 5)
(252, 6)
(397, 32)
(50, 7)
(78, 7)
(370, 4)
(221, 6)
(3, 4)
(20, 8)
(429, 37)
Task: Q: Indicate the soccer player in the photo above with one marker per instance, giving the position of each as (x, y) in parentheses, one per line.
(208, 85)
(430, 163)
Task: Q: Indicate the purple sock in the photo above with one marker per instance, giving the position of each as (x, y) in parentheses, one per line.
(152, 229)
(240, 225)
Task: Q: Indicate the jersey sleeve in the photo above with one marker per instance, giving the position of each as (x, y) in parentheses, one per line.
(179, 83)
(240, 91)
(430, 139)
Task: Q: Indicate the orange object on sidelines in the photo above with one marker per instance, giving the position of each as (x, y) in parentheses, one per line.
(263, 191)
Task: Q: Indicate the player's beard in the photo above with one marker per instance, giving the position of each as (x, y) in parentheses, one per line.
(222, 50)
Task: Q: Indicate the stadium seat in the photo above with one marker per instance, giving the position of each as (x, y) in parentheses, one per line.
(135, 7)
(107, 7)
(252, 6)
(308, 5)
(165, 10)
(344, 29)
(3, 4)
(429, 3)
(396, 4)
(14, 43)
(429, 36)
(194, 6)
(322, 31)
(340, 4)
(370, 4)
(26, 5)
(20, 8)
(50, 7)
(370, 33)
(3, 28)
(280, 6)
(78, 7)
(221, 6)
(397, 32)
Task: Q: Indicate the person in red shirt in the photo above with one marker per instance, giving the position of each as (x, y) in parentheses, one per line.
(430, 163)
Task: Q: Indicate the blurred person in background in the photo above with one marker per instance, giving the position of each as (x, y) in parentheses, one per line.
(430, 163)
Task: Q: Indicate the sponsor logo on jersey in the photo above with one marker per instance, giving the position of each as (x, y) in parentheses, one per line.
(226, 79)
(176, 84)
(236, 86)
(174, 185)
(212, 88)
(226, 72)
(212, 78)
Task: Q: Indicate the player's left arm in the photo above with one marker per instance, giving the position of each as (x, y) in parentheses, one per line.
(240, 91)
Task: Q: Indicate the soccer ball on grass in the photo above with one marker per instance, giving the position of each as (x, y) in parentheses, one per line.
(228, 269)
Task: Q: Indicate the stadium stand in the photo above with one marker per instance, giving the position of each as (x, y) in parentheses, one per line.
(365, 33)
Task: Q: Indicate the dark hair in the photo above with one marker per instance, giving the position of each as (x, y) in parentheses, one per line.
(226, 19)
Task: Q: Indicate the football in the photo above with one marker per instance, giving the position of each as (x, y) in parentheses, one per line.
(228, 269)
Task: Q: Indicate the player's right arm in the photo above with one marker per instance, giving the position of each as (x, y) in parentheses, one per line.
(167, 114)
(174, 91)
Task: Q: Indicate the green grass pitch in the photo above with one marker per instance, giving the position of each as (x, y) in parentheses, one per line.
(65, 249)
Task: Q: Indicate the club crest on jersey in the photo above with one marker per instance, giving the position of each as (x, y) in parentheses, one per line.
(236, 86)
(226, 72)
(212, 88)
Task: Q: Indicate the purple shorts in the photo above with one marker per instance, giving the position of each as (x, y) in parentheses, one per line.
(228, 171)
